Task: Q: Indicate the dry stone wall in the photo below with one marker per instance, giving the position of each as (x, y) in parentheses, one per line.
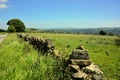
(78, 63)
(41, 44)
(82, 67)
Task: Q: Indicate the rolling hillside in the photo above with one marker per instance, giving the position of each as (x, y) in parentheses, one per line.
(115, 31)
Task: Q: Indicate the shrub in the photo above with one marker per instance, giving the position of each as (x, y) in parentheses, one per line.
(102, 32)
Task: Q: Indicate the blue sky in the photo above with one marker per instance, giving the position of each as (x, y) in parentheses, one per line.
(61, 13)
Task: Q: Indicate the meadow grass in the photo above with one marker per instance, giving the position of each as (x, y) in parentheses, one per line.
(19, 61)
(1, 33)
(103, 50)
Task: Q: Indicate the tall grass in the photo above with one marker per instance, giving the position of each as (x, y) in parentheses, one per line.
(19, 61)
(104, 50)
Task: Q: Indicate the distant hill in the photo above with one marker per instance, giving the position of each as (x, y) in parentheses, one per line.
(2, 30)
(86, 30)
(32, 30)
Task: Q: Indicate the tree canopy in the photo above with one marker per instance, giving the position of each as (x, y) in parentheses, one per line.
(16, 25)
(102, 32)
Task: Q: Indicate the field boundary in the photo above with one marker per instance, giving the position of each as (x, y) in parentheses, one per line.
(79, 63)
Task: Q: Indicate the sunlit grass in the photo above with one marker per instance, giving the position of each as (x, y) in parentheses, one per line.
(19, 61)
(97, 45)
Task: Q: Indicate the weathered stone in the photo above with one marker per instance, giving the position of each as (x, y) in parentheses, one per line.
(80, 62)
(19, 35)
(97, 77)
(49, 44)
(26, 38)
(80, 47)
(82, 67)
(55, 53)
(74, 68)
(92, 69)
(79, 76)
(79, 54)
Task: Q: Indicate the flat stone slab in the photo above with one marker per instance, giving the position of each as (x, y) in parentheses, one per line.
(97, 77)
(79, 54)
(79, 75)
(93, 69)
(80, 62)
(74, 68)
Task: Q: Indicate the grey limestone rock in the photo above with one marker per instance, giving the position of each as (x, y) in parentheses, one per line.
(74, 68)
(79, 54)
(80, 62)
(79, 76)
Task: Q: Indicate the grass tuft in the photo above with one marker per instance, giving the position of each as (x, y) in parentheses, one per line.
(19, 61)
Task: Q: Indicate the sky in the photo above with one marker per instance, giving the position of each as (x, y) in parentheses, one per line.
(61, 13)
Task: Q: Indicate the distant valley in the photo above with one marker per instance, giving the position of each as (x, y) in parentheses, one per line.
(115, 31)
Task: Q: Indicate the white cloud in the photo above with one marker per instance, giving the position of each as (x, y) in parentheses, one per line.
(3, 6)
(3, 0)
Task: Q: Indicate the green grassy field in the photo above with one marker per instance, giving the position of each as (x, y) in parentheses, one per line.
(97, 46)
(19, 61)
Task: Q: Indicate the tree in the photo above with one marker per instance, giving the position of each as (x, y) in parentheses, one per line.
(11, 29)
(16, 25)
(102, 32)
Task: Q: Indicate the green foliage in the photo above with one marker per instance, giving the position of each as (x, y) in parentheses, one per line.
(11, 29)
(2, 30)
(17, 24)
(102, 32)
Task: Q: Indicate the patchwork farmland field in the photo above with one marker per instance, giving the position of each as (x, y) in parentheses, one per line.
(18, 60)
